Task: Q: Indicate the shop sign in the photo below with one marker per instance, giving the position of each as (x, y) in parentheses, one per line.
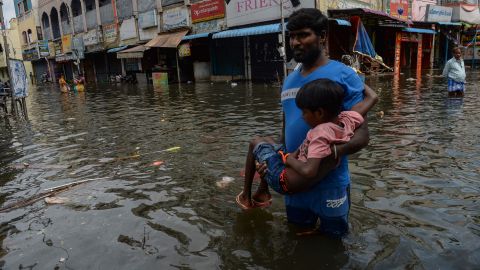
(419, 9)
(399, 9)
(110, 33)
(58, 47)
(468, 55)
(184, 50)
(175, 18)
(207, 27)
(207, 10)
(51, 48)
(466, 13)
(410, 37)
(241, 12)
(18, 77)
(43, 48)
(128, 29)
(438, 14)
(66, 43)
(147, 19)
(170, 2)
(90, 38)
(65, 57)
(30, 54)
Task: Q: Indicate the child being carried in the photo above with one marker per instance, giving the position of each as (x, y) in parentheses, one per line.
(321, 103)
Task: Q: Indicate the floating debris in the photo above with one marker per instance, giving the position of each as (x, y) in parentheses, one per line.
(226, 180)
(158, 163)
(380, 114)
(56, 200)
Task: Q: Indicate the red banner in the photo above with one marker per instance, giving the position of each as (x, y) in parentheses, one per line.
(207, 10)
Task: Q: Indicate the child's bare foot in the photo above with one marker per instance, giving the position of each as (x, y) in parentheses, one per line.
(243, 201)
(262, 198)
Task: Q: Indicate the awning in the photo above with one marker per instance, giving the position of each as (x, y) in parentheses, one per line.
(449, 23)
(419, 30)
(249, 31)
(170, 40)
(113, 50)
(342, 22)
(135, 52)
(368, 16)
(194, 36)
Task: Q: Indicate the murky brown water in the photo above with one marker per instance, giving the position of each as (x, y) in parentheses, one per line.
(415, 189)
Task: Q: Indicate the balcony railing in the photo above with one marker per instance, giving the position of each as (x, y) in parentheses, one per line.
(91, 17)
(78, 24)
(106, 14)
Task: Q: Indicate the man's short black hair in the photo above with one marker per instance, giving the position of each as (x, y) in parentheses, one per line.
(308, 18)
(321, 93)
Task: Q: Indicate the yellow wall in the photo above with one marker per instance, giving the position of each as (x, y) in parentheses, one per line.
(14, 48)
(25, 23)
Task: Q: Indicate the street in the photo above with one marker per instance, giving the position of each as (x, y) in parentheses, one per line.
(155, 157)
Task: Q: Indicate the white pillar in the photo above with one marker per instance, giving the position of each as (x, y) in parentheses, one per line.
(97, 10)
(51, 26)
(84, 15)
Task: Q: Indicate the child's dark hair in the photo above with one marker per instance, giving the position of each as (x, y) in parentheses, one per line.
(308, 18)
(321, 93)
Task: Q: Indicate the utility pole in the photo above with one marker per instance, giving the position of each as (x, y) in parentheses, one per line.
(7, 54)
(284, 50)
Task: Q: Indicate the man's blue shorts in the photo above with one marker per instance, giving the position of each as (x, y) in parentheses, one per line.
(265, 152)
(331, 206)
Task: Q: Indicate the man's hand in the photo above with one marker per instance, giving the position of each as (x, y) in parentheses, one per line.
(261, 168)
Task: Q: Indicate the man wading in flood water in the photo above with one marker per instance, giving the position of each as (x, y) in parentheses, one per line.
(326, 197)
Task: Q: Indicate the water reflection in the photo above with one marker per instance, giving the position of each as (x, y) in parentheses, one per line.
(414, 190)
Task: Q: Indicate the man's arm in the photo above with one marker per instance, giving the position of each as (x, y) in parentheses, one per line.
(360, 140)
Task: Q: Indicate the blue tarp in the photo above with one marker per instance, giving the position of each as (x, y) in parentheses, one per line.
(450, 23)
(249, 31)
(194, 36)
(419, 30)
(362, 42)
(342, 22)
(113, 50)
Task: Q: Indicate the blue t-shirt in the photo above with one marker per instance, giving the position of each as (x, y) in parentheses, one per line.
(295, 127)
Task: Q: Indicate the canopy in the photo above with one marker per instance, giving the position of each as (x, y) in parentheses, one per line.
(113, 50)
(194, 36)
(135, 52)
(342, 22)
(362, 43)
(419, 30)
(169, 40)
(249, 31)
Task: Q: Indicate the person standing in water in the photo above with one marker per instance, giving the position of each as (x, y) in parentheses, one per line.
(63, 84)
(454, 71)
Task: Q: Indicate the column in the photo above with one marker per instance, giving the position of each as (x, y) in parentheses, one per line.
(84, 15)
(51, 26)
(97, 10)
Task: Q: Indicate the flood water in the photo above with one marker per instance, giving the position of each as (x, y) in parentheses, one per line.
(415, 189)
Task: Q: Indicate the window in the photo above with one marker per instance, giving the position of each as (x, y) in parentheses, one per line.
(24, 37)
(25, 5)
(21, 9)
(29, 36)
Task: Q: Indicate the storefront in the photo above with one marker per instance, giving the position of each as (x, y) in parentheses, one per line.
(381, 28)
(165, 45)
(94, 63)
(251, 51)
(195, 49)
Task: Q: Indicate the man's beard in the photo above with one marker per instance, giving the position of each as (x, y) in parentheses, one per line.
(307, 57)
